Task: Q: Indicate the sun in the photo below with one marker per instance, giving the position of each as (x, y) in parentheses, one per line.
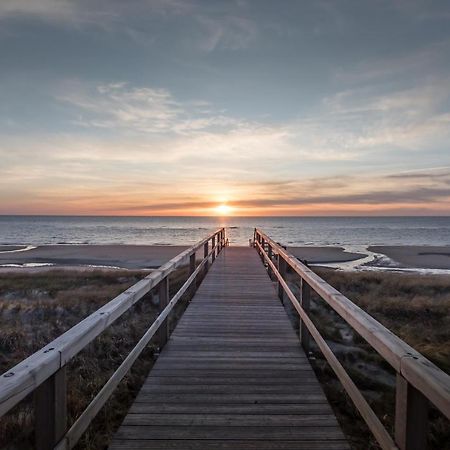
(223, 209)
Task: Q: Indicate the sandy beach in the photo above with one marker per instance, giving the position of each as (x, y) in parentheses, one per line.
(410, 256)
(152, 256)
(123, 256)
(137, 256)
(322, 255)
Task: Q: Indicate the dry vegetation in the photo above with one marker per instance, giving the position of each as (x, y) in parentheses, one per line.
(36, 308)
(416, 308)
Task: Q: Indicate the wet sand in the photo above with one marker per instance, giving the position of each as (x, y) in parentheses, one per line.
(123, 256)
(11, 248)
(410, 256)
(138, 256)
(323, 255)
(152, 256)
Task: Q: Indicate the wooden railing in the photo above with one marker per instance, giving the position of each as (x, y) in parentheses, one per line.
(418, 380)
(44, 372)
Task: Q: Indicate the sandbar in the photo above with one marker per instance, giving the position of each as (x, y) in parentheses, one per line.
(123, 256)
(416, 256)
(323, 255)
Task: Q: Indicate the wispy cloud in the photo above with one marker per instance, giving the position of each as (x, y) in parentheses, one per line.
(226, 32)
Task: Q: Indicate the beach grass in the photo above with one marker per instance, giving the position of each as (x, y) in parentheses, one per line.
(36, 308)
(416, 308)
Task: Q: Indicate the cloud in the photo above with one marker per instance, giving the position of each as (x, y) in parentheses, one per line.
(226, 32)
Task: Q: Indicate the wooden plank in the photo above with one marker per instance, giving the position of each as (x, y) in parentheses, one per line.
(266, 420)
(233, 444)
(230, 432)
(233, 374)
(235, 409)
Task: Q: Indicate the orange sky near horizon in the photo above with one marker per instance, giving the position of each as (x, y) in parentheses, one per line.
(178, 107)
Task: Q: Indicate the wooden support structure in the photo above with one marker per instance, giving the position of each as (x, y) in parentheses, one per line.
(232, 375)
(205, 256)
(411, 416)
(44, 372)
(191, 271)
(305, 302)
(163, 294)
(281, 266)
(419, 382)
(50, 400)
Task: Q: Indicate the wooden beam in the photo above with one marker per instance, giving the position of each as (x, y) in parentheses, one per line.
(51, 410)
(281, 263)
(205, 255)
(270, 254)
(163, 333)
(305, 301)
(193, 287)
(411, 416)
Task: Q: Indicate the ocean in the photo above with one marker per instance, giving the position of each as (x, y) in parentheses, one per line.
(349, 232)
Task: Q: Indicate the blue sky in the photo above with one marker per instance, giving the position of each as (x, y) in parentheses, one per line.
(173, 107)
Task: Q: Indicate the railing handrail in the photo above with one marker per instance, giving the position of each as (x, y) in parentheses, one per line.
(410, 365)
(425, 376)
(29, 374)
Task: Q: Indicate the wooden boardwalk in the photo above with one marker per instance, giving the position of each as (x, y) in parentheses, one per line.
(232, 375)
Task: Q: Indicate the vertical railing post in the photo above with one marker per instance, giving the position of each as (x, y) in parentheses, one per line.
(213, 243)
(205, 255)
(411, 416)
(51, 410)
(281, 266)
(305, 301)
(270, 254)
(191, 271)
(163, 332)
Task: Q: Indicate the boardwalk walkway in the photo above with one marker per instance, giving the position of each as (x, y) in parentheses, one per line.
(232, 375)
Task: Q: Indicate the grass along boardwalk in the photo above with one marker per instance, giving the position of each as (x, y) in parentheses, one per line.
(233, 374)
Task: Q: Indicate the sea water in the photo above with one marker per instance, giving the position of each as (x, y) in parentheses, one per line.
(349, 232)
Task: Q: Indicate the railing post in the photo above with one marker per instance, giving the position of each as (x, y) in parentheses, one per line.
(191, 271)
(205, 255)
(213, 243)
(163, 332)
(51, 410)
(281, 265)
(411, 416)
(270, 255)
(305, 300)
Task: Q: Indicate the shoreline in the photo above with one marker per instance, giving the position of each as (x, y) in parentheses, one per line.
(147, 257)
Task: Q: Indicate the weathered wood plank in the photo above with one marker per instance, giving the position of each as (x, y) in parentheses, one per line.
(285, 420)
(227, 445)
(229, 432)
(233, 374)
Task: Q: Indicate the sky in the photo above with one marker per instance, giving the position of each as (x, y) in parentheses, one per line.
(175, 107)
